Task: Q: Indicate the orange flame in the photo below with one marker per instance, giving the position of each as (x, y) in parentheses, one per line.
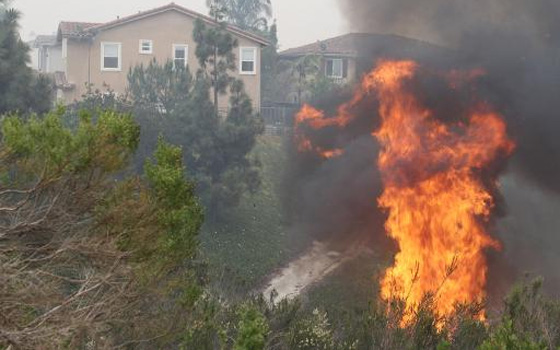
(437, 204)
(316, 119)
(436, 201)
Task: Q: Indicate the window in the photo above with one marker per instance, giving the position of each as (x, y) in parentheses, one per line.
(64, 48)
(111, 56)
(146, 47)
(248, 60)
(180, 55)
(335, 68)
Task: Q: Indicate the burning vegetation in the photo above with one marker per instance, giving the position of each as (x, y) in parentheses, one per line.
(438, 186)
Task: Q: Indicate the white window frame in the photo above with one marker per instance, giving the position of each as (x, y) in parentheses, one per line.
(174, 48)
(255, 56)
(119, 68)
(141, 47)
(341, 68)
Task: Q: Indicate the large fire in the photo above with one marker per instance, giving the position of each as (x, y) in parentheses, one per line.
(436, 201)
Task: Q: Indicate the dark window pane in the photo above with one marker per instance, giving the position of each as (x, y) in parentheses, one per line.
(179, 62)
(180, 53)
(111, 62)
(247, 66)
(329, 68)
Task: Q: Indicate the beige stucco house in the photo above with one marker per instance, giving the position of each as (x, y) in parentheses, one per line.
(102, 53)
(46, 54)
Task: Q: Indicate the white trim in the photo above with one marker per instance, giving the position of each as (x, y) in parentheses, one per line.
(173, 49)
(255, 59)
(64, 49)
(119, 68)
(190, 13)
(141, 46)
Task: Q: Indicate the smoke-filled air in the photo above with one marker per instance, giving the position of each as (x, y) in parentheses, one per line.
(280, 175)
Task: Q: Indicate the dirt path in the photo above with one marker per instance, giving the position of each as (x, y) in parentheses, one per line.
(311, 267)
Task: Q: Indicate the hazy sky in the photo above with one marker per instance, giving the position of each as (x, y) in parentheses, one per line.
(299, 21)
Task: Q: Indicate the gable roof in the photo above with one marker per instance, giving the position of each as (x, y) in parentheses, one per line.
(344, 45)
(356, 44)
(74, 29)
(78, 29)
(44, 40)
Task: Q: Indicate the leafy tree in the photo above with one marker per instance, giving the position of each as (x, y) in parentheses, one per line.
(216, 150)
(312, 333)
(533, 316)
(270, 66)
(20, 88)
(233, 172)
(86, 258)
(505, 338)
(159, 86)
(246, 14)
(214, 51)
(252, 330)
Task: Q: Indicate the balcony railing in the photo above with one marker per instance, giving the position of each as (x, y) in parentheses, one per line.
(339, 80)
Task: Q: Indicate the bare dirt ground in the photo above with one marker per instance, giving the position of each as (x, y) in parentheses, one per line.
(311, 267)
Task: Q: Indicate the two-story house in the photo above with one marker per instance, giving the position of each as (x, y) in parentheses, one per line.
(102, 53)
(344, 59)
(46, 54)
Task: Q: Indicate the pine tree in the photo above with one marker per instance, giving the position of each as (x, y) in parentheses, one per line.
(20, 88)
(214, 51)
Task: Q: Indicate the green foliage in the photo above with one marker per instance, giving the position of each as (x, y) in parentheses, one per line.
(505, 338)
(236, 137)
(270, 68)
(206, 331)
(246, 14)
(20, 88)
(533, 316)
(312, 333)
(214, 51)
(159, 85)
(178, 212)
(59, 149)
(254, 238)
(252, 329)
(53, 259)
(216, 150)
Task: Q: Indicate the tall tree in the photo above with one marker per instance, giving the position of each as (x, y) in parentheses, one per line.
(214, 51)
(246, 14)
(88, 261)
(20, 88)
(217, 148)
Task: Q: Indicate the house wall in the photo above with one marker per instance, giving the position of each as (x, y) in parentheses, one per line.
(291, 93)
(84, 59)
(77, 58)
(34, 55)
(54, 59)
(351, 73)
(352, 70)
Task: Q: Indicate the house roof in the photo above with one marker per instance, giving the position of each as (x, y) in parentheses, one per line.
(78, 29)
(43, 40)
(74, 29)
(344, 45)
(352, 45)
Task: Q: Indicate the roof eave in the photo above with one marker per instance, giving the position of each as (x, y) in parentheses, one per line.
(206, 19)
(324, 54)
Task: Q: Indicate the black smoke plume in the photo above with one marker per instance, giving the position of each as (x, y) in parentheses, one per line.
(517, 44)
(516, 41)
